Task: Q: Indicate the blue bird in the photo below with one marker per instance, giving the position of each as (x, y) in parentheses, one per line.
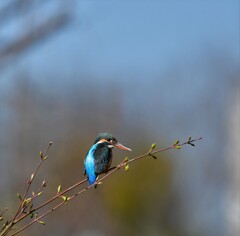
(99, 156)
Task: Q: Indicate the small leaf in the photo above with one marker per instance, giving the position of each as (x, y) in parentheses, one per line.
(41, 154)
(177, 147)
(31, 206)
(41, 222)
(126, 168)
(125, 159)
(64, 198)
(19, 196)
(59, 188)
(1, 218)
(32, 176)
(31, 215)
(153, 146)
(45, 158)
(44, 183)
(39, 194)
(154, 157)
(26, 201)
(189, 139)
(192, 144)
(176, 142)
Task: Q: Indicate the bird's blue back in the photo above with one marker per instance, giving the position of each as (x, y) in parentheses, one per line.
(89, 165)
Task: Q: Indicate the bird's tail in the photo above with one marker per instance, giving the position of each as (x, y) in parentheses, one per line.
(91, 179)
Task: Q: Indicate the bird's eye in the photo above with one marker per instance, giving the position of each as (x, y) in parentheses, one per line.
(112, 141)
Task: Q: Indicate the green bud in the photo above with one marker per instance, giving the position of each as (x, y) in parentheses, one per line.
(59, 188)
(176, 142)
(41, 222)
(19, 196)
(153, 146)
(126, 168)
(64, 198)
(26, 201)
(40, 193)
(32, 176)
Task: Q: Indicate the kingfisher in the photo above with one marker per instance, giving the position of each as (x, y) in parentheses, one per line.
(99, 156)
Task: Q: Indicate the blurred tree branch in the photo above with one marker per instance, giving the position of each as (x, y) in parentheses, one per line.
(47, 27)
(28, 39)
(27, 209)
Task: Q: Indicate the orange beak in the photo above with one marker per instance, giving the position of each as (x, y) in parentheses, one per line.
(120, 146)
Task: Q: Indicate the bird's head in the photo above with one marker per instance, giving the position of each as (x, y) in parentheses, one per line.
(110, 141)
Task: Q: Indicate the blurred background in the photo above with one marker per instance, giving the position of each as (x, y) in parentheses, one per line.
(145, 71)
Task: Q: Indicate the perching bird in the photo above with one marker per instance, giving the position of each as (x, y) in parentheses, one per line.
(99, 156)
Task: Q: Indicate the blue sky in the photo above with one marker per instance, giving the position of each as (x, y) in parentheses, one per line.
(148, 35)
(153, 33)
(137, 36)
(136, 42)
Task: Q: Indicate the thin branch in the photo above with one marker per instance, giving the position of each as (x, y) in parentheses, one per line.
(29, 183)
(67, 200)
(122, 164)
(32, 179)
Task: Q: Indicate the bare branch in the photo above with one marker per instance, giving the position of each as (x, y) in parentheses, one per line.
(25, 201)
(66, 199)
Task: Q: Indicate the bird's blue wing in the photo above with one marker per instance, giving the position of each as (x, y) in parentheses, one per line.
(103, 159)
(89, 168)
